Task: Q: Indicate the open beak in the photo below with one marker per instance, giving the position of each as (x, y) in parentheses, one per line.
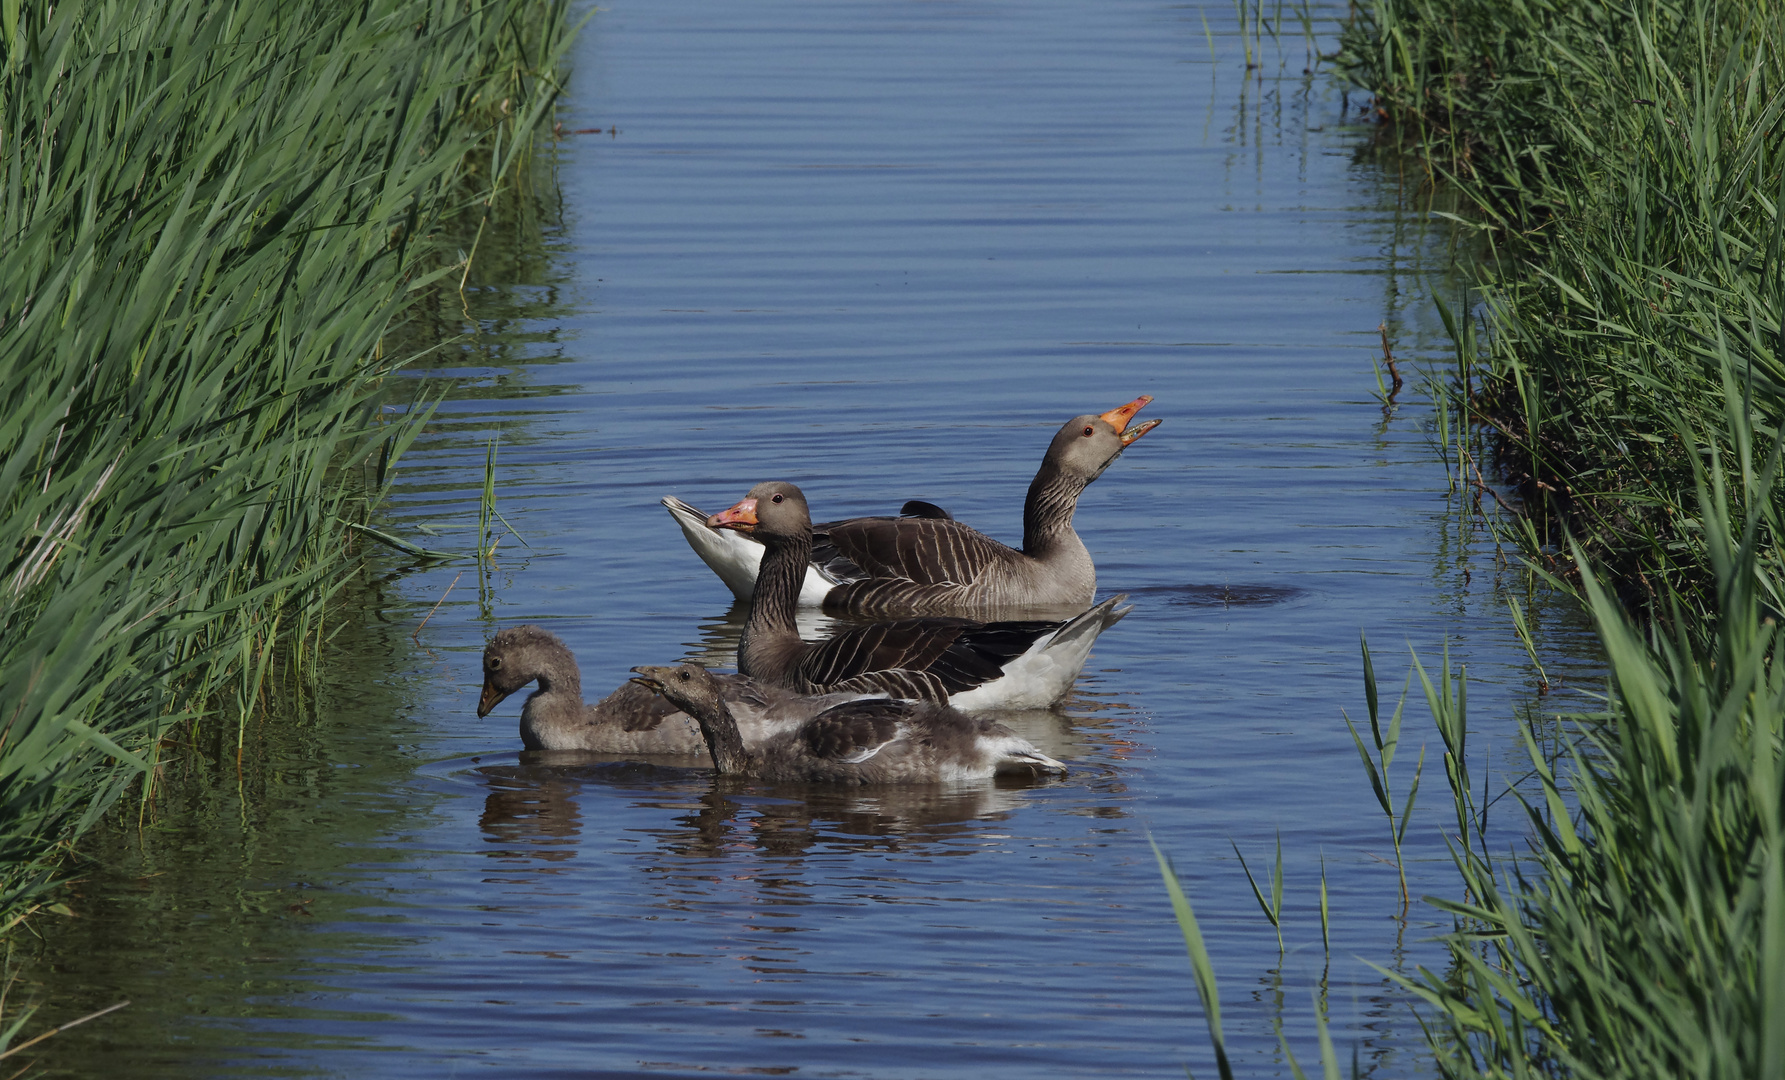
(489, 699)
(1118, 419)
(645, 676)
(741, 517)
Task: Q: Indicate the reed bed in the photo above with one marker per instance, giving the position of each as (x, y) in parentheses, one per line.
(1625, 358)
(1639, 928)
(1621, 159)
(212, 217)
(1643, 934)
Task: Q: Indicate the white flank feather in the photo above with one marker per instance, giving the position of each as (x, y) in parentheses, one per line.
(1042, 676)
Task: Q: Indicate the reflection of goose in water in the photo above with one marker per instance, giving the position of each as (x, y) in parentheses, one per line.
(901, 818)
(534, 819)
(720, 636)
(531, 811)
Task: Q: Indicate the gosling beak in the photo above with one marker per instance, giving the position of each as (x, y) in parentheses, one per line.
(648, 676)
(741, 517)
(1118, 419)
(489, 699)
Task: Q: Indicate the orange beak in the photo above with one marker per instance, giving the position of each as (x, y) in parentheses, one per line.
(741, 517)
(489, 699)
(1118, 419)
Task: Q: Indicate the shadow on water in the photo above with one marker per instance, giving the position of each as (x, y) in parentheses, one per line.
(1223, 595)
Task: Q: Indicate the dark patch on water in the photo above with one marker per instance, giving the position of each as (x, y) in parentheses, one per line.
(1224, 595)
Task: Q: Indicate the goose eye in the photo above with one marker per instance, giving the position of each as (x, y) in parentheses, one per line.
(1087, 431)
(495, 662)
(683, 675)
(776, 499)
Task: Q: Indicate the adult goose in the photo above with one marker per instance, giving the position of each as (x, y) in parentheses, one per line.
(1001, 665)
(924, 562)
(632, 719)
(867, 741)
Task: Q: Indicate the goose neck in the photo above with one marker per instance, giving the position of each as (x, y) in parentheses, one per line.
(778, 582)
(720, 730)
(1047, 512)
(559, 695)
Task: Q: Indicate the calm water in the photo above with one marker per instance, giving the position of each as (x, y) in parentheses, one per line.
(884, 251)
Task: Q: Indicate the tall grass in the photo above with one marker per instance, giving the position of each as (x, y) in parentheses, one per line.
(1622, 157)
(211, 216)
(1640, 928)
(1644, 934)
(1623, 162)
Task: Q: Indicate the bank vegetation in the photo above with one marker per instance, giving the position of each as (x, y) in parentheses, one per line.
(1621, 369)
(214, 216)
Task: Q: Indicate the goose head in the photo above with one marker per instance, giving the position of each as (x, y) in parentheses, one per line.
(515, 657)
(773, 510)
(688, 686)
(1087, 444)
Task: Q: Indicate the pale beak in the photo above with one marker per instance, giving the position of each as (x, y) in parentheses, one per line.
(646, 676)
(1118, 419)
(741, 517)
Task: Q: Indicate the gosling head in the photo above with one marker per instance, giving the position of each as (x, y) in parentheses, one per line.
(687, 686)
(515, 657)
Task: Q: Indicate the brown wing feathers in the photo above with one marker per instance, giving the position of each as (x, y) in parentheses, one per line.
(927, 550)
(641, 709)
(929, 659)
(910, 644)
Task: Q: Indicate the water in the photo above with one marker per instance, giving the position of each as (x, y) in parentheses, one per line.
(882, 251)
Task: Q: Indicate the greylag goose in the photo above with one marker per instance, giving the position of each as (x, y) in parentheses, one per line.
(1001, 665)
(924, 562)
(631, 720)
(867, 741)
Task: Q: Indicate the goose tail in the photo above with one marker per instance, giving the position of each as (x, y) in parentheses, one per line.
(735, 557)
(1028, 759)
(1083, 630)
(729, 554)
(1043, 675)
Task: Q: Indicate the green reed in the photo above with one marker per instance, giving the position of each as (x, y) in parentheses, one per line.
(1272, 907)
(1623, 163)
(1644, 932)
(1627, 355)
(1386, 741)
(211, 217)
(1639, 929)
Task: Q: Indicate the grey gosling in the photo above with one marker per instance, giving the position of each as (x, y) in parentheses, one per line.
(865, 741)
(632, 719)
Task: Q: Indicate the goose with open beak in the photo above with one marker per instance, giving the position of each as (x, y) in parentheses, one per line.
(923, 562)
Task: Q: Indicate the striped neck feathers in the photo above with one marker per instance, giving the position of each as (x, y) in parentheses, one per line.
(1047, 512)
